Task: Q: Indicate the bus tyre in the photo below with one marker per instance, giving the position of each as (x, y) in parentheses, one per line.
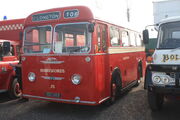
(155, 100)
(112, 98)
(115, 89)
(15, 89)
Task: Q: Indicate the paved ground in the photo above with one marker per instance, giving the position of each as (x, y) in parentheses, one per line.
(132, 106)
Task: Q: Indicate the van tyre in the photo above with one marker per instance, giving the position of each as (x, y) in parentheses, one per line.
(15, 89)
(139, 75)
(155, 100)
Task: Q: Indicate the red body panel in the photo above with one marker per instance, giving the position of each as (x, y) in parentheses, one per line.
(10, 29)
(86, 90)
(95, 86)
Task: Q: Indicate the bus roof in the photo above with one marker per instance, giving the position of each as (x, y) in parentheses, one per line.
(60, 15)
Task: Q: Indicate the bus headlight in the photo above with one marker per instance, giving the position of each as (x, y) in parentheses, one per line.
(76, 79)
(31, 77)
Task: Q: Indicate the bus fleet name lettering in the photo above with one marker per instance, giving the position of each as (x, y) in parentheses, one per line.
(52, 70)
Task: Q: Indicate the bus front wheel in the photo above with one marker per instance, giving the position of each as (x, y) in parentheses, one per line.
(115, 89)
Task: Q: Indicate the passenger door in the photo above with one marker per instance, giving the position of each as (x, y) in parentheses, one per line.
(126, 56)
(102, 59)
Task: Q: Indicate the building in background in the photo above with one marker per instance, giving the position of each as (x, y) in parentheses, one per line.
(165, 9)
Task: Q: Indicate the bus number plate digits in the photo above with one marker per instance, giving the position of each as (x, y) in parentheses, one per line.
(71, 13)
(55, 95)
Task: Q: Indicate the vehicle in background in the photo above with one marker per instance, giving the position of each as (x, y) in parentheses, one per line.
(152, 43)
(162, 75)
(150, 47)
(10, 44)
(161, 10)
(74, 58)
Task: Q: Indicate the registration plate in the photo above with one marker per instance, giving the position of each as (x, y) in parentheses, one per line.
(55, 95)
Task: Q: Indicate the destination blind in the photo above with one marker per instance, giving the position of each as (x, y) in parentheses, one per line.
(46, 16)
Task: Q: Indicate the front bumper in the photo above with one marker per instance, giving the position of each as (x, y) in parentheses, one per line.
(175, 69)
(60, 100)
(93, 103)
(165, 90)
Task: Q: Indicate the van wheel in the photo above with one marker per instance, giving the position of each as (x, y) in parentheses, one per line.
(15, 89)
(139, 75)
(155, 100)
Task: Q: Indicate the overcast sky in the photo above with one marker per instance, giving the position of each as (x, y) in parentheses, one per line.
(111, 10)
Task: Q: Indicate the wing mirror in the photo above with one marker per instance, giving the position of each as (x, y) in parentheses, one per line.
(145, 36)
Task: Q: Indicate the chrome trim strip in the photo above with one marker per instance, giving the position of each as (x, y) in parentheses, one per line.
(104, 99)
(56, 99)
(1, 91)
(110, 51)
(11, 62)
(52, 55)
(52, 78)
(52, 62)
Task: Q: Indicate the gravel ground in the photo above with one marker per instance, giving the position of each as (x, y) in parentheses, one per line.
(131, 106)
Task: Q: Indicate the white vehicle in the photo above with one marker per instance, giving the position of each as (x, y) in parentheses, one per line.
(163, 74)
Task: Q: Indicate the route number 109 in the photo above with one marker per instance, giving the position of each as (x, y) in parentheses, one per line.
(71, 13)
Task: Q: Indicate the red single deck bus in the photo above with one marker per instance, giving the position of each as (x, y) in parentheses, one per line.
(71, 57)
(10, 35)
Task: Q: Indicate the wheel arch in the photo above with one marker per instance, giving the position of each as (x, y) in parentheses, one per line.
(116, 71)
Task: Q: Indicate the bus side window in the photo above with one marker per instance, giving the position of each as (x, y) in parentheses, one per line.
(99, 38)
(138, 40)
(132, 39)
(102, 38)
(114, 36)
(125, 38)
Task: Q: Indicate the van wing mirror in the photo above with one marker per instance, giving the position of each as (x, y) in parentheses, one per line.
(6, 47)
(91, 27)
(146, 36)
